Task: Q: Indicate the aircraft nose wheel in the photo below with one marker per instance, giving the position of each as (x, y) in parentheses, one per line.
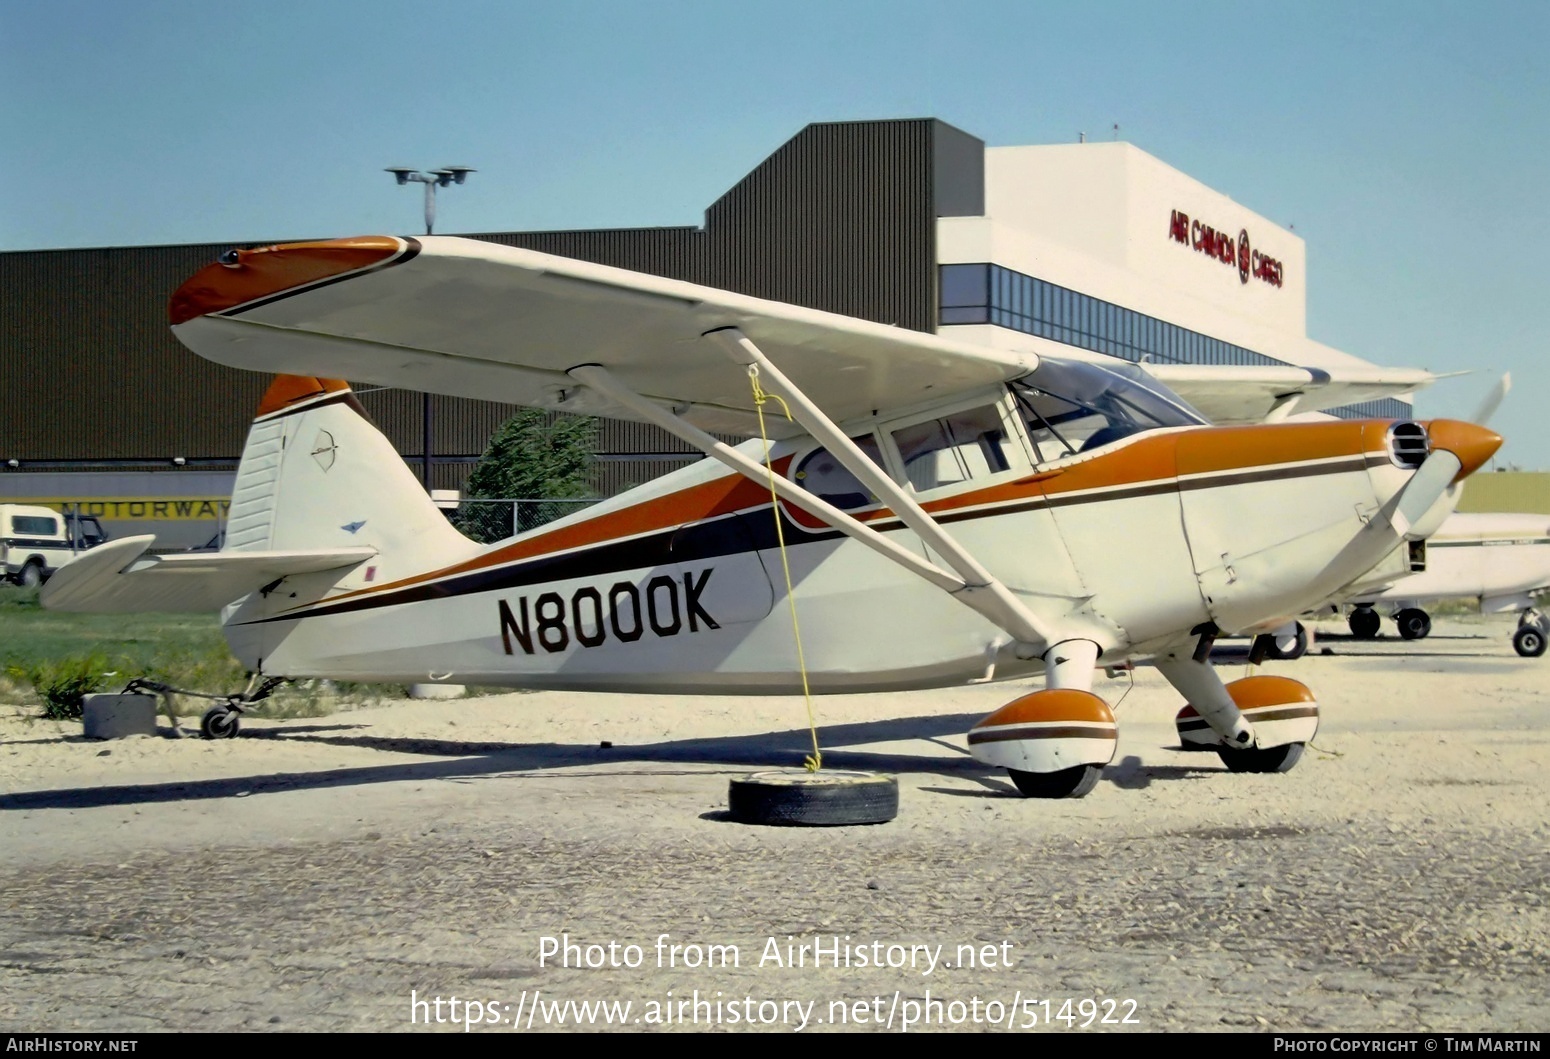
(1529, 641)
(219, 722)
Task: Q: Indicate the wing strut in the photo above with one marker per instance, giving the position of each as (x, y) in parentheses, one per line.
(970, 583)
(982, 590)
(598, 378)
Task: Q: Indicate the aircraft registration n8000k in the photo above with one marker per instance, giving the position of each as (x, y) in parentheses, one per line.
(948, 512)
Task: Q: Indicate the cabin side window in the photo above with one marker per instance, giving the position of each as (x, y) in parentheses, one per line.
(955, 448)
(823, 475)
(34, 526)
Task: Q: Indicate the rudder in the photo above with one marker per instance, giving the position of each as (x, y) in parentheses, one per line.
(316, 473)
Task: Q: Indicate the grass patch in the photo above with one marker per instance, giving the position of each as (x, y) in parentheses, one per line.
(48, 656)
(62, 683)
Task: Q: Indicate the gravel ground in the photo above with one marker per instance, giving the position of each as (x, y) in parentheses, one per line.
(323, 874)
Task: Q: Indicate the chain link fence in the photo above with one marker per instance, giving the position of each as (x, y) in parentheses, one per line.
(488, 521)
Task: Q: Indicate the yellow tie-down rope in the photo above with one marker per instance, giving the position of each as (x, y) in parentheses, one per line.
(814, 761)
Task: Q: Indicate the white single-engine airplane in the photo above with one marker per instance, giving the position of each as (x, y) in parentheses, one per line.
(950, 512)
(1501, 561)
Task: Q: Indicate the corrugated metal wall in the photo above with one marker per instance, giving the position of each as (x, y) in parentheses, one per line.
(90, 370)
(839, 218)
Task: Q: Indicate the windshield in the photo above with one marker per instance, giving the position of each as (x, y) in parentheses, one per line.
(1070, 406)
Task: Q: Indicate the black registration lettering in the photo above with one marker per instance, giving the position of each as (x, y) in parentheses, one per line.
(551, 625)
(510, 628)
(556, 622)
(624, 590)
(586, 606)
(658, 624)
(697, 613)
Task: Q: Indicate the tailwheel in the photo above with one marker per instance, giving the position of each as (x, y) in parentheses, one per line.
(1270, 759)
(1067, 783)
(1054, 743)
(219, 722)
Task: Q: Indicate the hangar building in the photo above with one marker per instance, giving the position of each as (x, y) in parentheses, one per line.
(1092, 247)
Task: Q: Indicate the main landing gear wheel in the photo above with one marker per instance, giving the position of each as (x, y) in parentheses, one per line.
(219, 722)
(1053, 743)
(1270, 759)
(798, 798)
(1364, 623)
(1413, 623)
(1288, 648)
(1067, 783)
(1529, 641)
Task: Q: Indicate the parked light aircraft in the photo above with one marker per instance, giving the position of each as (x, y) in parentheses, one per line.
(1501, 561)
(950, 512)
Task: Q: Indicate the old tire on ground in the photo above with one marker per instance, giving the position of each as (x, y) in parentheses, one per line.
(1270, 759)
(1529, 641)
(1413, 624)
(1364, 623)
(219, 723)
(827, 798)
(30, 576)
(1067, 783)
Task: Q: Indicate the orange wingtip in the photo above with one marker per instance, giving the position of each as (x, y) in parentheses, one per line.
(242, 276)
(286, 390)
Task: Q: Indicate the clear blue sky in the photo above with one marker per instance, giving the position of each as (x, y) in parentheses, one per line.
(1406, 142)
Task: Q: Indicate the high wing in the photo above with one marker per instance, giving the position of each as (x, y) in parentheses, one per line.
(119, 578)
(477, 319)
(1253, 394)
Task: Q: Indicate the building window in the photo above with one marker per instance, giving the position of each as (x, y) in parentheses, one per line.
(965, 294)
(977, 294)
(982, 293)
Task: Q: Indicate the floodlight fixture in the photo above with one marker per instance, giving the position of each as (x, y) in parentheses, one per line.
(443, 177)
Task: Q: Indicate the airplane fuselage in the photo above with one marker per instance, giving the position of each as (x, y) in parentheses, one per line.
(678, 585)
(1500, 559)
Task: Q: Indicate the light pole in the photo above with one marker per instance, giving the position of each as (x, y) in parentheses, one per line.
(436, 178)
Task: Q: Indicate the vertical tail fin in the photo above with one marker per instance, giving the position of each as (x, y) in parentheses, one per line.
(316, 473)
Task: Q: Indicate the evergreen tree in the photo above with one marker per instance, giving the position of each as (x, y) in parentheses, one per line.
(535, 455)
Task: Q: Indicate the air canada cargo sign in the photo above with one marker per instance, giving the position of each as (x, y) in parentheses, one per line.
(1224, 248)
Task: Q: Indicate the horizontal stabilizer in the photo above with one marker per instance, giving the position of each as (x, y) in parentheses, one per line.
(119, 578)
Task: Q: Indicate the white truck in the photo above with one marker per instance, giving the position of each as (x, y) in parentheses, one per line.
(36, 541)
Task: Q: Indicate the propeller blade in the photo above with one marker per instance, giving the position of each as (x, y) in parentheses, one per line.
(1424, 489)
(1492, 400)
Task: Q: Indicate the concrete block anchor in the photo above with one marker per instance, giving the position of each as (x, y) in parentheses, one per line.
(117, 716)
